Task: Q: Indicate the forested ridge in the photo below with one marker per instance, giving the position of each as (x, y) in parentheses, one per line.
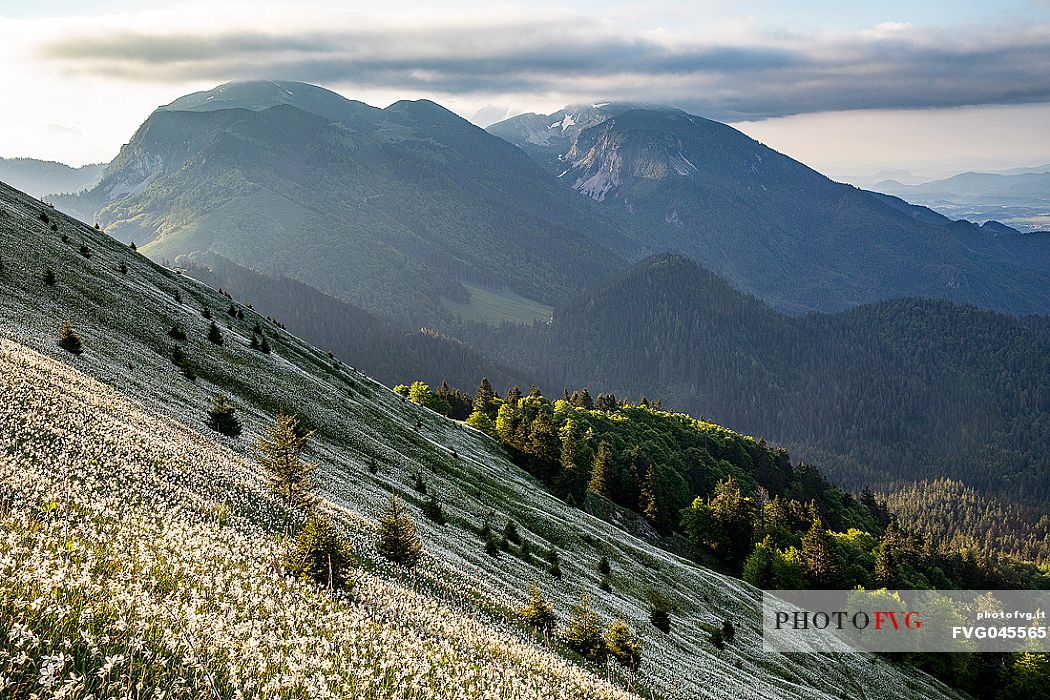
(904, 389)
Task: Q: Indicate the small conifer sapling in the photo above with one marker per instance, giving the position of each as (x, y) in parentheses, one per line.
(397, 539)
(221, 417)
(69, 339)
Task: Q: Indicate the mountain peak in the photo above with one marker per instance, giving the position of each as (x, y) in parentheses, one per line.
(257, 95)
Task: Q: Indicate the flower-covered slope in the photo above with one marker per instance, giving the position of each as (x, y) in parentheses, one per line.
(139, 549)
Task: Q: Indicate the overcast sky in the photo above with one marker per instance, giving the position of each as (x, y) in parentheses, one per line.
(930, 87)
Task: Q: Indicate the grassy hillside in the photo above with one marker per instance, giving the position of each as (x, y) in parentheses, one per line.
(487, 306)
(140, 546)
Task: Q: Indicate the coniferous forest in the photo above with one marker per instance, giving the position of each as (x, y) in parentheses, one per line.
(905, 389)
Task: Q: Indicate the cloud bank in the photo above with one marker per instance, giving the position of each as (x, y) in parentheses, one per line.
(729, 74)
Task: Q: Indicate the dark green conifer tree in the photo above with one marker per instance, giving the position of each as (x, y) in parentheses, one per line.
(602, 476)
(397, 539)
(69, 339)
(221, 417)
(214, 334)
(821, 568)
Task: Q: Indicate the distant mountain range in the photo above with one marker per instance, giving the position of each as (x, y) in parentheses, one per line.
(41, 178)
(405, 210)
(1019, 197)
(770, 225)
(981, 187)
(394, 209)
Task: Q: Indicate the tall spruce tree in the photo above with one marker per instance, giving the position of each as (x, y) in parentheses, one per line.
(572, 480)
(821, 568)
(601, 481)
(281, 455)
(483, 398)
(647, 503)
(886, 558)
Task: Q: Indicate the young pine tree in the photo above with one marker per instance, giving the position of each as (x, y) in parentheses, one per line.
(584, 633)
(432, 510)
(397, 539)
(281, 455)
(553, 563)
(420, 484)
(214, 334)
(622, 645)
(49, 277)
(538, 613)
(320, 554)
(69, 339)
(511, 534)
(179, 359)
(660, 609)
(603, 566)
(221, 417)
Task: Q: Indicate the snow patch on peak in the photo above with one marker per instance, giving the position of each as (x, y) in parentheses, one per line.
(598, 185)
(682, 165)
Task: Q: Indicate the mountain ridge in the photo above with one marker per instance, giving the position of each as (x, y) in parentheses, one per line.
(396, 195)
(899, 389)
(778, 229)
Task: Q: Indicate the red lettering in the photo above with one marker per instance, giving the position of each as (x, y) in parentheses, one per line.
(881, 615)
